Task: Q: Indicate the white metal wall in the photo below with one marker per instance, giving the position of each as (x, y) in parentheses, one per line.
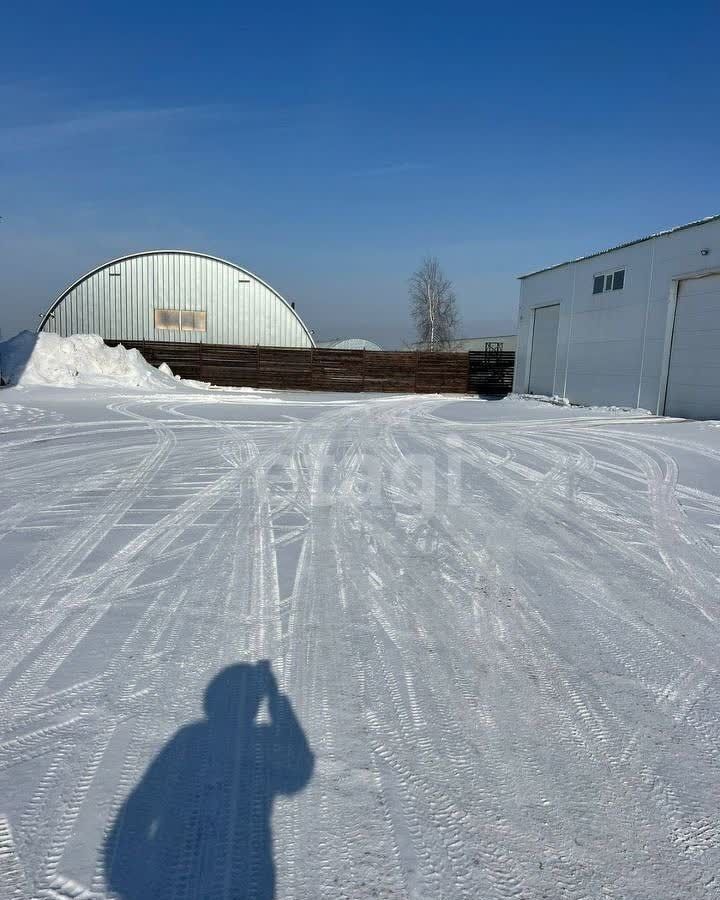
(118, 301)
(613, 348)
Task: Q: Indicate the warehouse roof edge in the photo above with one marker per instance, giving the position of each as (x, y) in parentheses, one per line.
(641, 240)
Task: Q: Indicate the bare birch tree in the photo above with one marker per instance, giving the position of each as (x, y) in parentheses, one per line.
(433, 306)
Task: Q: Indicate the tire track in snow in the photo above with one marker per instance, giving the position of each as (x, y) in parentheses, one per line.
(468, 726)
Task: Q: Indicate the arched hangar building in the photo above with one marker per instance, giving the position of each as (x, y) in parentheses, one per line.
(176, 295)
(350, 344)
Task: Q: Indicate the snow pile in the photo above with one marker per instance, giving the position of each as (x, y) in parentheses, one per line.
(557, 400)
(86, 360)
(83, 359)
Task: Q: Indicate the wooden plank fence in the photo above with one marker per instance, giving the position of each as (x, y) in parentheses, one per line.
(320, 369)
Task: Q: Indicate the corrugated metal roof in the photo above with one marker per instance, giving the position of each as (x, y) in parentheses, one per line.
(242, 308)
(648, 237)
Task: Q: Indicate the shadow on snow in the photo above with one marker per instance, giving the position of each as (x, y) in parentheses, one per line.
(198, 824)
(15, 354)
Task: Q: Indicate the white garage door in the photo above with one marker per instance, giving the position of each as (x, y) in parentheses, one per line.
(544, 350)
(693, 389)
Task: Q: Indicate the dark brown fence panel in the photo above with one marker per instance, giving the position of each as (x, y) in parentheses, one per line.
(442, 373)
(338, 370)
(285, 368)
(490, 372)
(228, 366)
(389, 371)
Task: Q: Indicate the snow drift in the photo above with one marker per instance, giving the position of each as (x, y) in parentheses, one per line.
(82, 359)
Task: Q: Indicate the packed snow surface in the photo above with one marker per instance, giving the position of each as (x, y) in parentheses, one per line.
(322, 646)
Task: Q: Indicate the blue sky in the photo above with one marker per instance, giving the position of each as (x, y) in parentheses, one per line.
(328, 148)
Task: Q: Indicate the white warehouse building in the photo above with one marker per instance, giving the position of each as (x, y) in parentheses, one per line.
(636, 325)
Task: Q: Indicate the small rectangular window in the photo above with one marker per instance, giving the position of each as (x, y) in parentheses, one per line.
(609, 281)
(192, 320)
(167, 319)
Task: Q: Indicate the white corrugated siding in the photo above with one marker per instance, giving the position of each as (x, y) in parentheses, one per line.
(118, 302)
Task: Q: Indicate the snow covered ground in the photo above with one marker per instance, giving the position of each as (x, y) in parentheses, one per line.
(491, 631)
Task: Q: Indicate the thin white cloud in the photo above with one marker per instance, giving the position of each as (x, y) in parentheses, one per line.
(15, 138)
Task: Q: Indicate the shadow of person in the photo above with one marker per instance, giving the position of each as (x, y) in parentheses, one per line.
(198, 824)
